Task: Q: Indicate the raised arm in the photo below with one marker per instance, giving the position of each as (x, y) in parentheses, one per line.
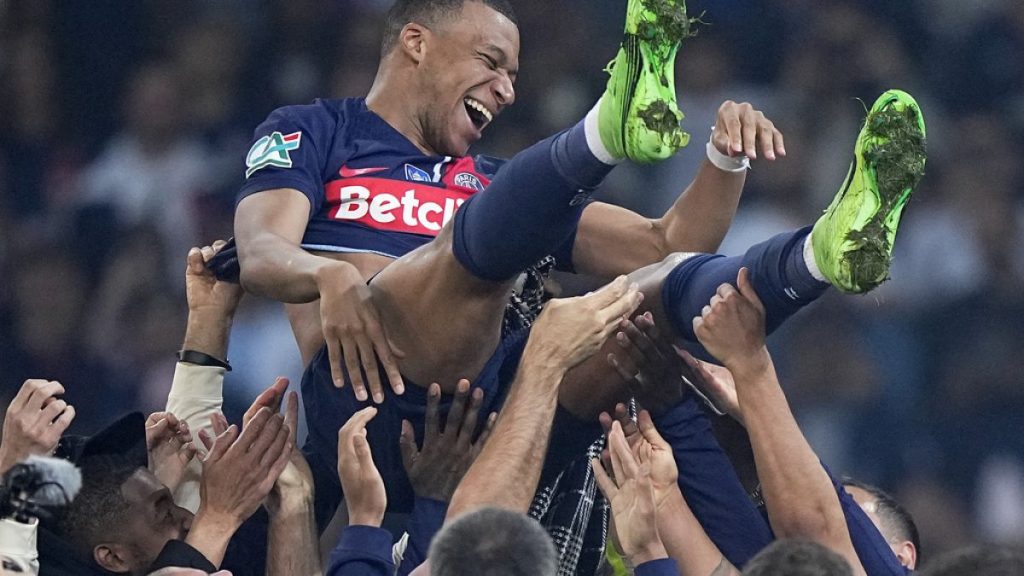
(292, 543)
(506, 472)
(799, 495)
(612, 240)
(197, 388)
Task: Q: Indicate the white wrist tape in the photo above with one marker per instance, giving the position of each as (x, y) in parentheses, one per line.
(725, 163)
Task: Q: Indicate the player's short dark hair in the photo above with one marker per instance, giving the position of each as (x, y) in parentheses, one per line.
(100, 506)
(977, 561)
(493, 542)
(431, 13)
(796, 557)
(897, 523)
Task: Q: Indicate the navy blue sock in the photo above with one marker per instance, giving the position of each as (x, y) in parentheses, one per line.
(530, 208)
(777, 271)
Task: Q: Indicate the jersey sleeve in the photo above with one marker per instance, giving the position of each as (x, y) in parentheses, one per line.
(290, 150)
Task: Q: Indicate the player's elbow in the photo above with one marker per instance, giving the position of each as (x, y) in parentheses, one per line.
(251, 267)
(820, 522)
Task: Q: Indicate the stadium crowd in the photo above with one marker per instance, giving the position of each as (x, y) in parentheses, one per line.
(124, 129)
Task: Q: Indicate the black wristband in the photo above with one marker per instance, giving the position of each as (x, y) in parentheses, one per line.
(202, 359)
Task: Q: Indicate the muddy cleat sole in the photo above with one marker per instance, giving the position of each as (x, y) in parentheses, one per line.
(638, 118)
(853, 239)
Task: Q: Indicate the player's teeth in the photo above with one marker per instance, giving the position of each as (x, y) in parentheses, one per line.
(480, 108)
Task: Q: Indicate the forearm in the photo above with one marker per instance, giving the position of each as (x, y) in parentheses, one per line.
(798, 493)
(508, 468)
(196, 393)
(9, 457)
(207, 331)
(701, 216)
(292, 543)
(686, 541)
(710, 486)
(274, 267)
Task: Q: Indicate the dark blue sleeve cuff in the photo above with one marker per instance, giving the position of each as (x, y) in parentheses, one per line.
(362, 551)
(426, 520)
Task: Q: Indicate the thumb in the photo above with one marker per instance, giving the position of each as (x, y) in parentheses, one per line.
(195, 261)
(746, 287)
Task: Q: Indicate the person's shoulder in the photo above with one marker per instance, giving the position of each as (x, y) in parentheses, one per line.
(323, 110)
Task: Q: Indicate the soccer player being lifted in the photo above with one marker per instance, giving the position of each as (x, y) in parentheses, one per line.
(376, 176)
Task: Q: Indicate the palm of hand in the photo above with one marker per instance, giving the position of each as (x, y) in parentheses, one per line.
(633, 507)
(205, 291)
(662, 465)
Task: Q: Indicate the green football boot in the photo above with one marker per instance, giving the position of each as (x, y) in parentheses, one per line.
(853, 240)
(638, 118)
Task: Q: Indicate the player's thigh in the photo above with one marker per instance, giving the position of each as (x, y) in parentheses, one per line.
(446, 321)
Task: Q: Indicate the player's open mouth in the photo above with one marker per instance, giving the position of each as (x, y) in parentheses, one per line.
(478, 113)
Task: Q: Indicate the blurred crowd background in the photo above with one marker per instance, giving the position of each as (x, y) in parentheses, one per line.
(124, 126)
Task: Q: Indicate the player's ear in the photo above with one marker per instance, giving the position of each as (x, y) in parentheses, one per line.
(111, 557)
(906, 553)
(412, 40)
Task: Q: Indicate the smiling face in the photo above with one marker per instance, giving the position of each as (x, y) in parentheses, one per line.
(466, 75)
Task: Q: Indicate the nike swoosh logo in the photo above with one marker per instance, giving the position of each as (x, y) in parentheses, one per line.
(347, 172)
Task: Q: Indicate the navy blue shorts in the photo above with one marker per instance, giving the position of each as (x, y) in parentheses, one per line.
(328, 408)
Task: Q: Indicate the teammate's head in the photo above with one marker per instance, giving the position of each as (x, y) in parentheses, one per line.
(455, 58)
(794, 557)
(892, 520)
(123, 516)
(491, 541)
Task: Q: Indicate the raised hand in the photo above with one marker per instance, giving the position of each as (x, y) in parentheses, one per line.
(354, 335)
(203, 291)
(242, 467)
(170, 447)
(435, 470)
(716, 382)
(295, 484)
(211, 304)
(648, 364)
(731, 326)
(570, 330)
(35, 420)
(630, 493)
(360, 479)
(741, 129)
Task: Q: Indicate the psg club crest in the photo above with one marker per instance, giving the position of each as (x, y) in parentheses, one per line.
(467, 180)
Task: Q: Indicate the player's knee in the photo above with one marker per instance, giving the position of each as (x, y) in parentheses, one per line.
(676, 258)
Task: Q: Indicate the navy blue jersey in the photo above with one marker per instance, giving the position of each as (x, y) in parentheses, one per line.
(369, 188)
